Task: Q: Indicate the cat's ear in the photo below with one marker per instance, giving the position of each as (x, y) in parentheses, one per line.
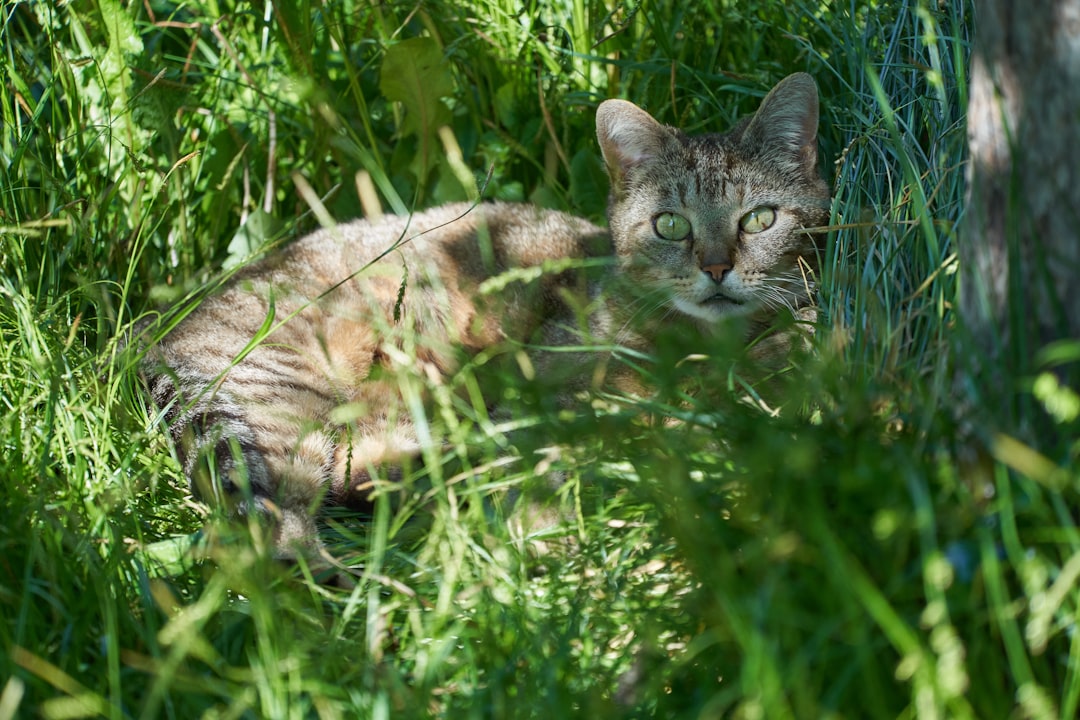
(628, 137)
(788, 119)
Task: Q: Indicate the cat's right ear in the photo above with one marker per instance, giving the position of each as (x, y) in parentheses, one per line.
(628, 137)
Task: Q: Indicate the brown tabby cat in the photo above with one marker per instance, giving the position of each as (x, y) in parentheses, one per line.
(288, 390)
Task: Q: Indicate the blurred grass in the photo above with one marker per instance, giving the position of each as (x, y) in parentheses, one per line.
(856, 555)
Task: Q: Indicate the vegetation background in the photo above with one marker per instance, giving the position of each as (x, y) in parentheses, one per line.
(857, 553)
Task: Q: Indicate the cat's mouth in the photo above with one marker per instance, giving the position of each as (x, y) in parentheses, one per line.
(720, 299)
(710, 308)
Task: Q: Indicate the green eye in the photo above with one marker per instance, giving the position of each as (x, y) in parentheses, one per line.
(758, 219)
(671, 226)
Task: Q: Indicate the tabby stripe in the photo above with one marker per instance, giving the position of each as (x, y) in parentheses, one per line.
(278, 363)
(243, 376)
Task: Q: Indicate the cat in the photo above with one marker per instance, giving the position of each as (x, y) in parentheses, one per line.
(283, 391)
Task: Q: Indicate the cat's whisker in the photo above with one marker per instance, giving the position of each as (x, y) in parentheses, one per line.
(776, 297)
(643, 306)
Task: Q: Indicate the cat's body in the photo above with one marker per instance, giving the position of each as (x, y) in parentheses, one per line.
(312, 412)
(330, 301)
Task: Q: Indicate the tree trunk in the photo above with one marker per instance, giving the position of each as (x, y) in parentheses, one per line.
(1020, 246)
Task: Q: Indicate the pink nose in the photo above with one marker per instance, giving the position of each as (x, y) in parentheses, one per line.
(716, 272)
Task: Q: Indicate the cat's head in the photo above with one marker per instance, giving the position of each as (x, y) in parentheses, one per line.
(712, 225)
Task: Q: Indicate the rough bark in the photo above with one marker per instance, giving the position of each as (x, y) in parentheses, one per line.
(1020, 247)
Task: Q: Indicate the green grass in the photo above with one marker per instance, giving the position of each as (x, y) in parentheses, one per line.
(861, 555)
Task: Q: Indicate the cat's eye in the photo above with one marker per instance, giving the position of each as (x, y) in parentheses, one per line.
(671, 226)
(758, 220)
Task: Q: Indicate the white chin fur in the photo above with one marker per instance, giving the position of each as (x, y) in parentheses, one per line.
(710, 312)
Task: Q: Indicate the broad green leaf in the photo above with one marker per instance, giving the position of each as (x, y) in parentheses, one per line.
(123, 40)
(257, 231)
(588, 181)
(415, 74)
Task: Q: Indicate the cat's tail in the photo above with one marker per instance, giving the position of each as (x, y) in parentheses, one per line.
(222, 459)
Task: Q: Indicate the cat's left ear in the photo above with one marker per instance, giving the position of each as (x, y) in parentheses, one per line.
(628, 137)
(788, 119)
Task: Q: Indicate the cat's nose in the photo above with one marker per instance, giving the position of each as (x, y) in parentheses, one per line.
(717, 271)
